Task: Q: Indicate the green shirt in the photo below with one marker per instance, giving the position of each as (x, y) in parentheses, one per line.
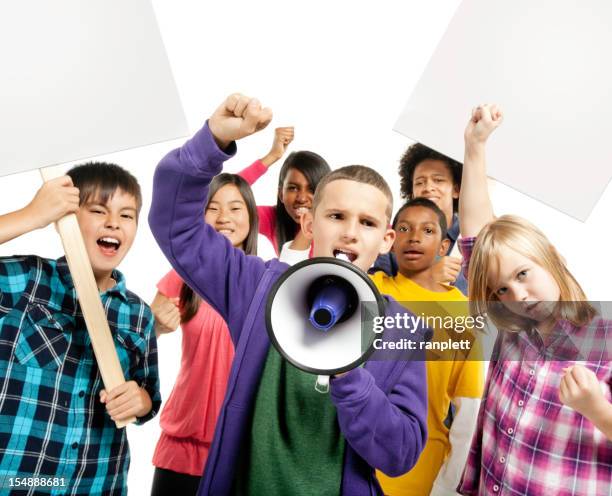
(295, 445)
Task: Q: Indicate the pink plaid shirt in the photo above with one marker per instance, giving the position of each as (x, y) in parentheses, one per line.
(527, 442)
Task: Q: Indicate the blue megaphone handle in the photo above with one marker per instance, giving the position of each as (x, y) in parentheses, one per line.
(329, 306)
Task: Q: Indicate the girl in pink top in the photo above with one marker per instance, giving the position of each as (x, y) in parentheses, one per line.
(189, 416)
(297, 181)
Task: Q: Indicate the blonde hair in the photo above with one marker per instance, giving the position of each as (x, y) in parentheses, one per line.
(526, 239)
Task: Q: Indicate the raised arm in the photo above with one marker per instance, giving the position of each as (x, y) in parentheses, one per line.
(475, 209)
(205, 259)
(55, 199)
(282, 137)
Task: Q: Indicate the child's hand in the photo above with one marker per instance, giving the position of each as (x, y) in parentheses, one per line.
(237, 117)
(485, 119)
(55, 199)
(446, 270)
(167, 314)
(581, 391)
(282, 137)
(126, 401)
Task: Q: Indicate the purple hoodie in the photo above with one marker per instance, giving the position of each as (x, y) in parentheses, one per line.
(381, 408)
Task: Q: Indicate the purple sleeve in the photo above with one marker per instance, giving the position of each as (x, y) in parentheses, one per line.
(253, 172)
(388, 431)
(205, 259)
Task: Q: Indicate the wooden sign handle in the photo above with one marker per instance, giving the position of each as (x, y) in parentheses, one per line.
(89, 299)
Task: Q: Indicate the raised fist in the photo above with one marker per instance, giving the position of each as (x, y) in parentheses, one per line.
(485, 119)
(237, 117)
(282, 137)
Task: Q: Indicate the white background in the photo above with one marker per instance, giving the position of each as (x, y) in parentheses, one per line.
(340, 72)
(71, 82)
(542, 61)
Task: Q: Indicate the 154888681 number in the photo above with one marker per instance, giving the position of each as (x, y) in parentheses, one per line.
(36, 482)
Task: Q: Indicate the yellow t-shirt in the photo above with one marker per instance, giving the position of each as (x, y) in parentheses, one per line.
(445, 380)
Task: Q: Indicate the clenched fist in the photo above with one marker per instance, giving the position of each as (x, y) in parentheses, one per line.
(167, 314)
(283, 136)
(237, 117)
(485, 119)
(55, 199)
(446, 270)
(580, 390)
(126, 401)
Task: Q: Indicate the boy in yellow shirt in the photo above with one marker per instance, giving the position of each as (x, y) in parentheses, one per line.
(420, 228)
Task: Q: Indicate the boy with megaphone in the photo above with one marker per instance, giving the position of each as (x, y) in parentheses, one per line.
(275, 433)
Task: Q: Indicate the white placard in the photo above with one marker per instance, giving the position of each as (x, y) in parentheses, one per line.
(81, 79)
(546, 63)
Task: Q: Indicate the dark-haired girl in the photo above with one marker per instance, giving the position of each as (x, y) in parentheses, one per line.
(297, 181)
(189, 416)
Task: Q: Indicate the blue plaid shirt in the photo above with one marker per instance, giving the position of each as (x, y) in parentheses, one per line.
(52, 424)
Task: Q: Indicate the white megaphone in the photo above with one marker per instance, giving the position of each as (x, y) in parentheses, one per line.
(319, 316)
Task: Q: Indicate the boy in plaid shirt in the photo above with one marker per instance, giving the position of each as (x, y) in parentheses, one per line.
(57, 424)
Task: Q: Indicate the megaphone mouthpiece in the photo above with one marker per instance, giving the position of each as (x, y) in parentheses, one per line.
(333, 300)
(328, 307)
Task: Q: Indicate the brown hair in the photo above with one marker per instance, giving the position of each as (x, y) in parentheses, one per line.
(100, 180)
(360, 174)
(523, 237)
(189, 300)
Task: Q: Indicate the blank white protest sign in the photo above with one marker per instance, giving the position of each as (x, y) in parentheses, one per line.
(547, 63)
(82, 78)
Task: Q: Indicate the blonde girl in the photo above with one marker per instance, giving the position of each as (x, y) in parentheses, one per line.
(545, 422)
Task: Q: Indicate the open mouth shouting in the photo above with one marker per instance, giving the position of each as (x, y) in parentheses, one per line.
(346, 255)
(109, 245)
